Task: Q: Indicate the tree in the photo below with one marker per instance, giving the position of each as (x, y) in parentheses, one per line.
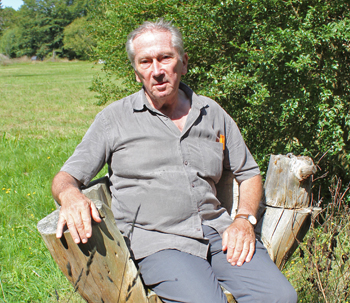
(281, 69)
(7, 18)
(42, 22)
(9, 42)
(77, 41)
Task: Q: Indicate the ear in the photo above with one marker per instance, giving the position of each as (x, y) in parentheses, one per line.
(137, 77)
(184, 64)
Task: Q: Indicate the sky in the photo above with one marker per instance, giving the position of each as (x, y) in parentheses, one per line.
(12, 3)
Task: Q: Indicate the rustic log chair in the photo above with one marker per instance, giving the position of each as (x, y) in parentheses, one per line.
(103, 271)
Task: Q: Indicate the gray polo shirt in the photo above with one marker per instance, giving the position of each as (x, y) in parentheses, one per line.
(168, 175)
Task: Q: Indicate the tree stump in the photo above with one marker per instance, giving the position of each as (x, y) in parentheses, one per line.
(287, 214)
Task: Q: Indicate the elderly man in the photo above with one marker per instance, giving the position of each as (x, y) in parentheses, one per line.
(166, 148)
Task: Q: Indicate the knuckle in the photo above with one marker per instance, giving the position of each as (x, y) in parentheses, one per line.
(79, 225)
(238, 249)
(70, 225)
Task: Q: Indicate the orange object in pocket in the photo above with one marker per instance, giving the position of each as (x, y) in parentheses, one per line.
(222, 140)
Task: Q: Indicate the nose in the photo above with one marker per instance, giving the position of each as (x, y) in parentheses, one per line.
(157, 68)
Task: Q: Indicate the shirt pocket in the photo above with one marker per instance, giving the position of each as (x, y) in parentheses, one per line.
(212, 156)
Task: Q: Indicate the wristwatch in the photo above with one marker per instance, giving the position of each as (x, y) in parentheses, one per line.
(250, 218)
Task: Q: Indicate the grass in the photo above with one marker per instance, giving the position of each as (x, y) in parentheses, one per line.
(45, 110)
(320, 268)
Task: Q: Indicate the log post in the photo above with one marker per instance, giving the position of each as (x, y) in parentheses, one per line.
(100, 270)
(287, 214)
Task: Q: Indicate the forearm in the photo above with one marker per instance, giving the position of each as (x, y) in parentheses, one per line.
(250, 194)
(239, 238)
(64, 184)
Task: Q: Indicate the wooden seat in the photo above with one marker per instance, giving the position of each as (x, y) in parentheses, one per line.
(102, 270)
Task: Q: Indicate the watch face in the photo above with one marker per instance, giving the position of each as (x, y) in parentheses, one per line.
(252, 219)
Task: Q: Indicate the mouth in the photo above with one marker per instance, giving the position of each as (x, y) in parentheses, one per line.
(160, 84)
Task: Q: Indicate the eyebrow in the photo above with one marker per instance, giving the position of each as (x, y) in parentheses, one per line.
(158, 55)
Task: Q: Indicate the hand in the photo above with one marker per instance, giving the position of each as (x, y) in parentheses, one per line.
(76, 211)
(239, 242)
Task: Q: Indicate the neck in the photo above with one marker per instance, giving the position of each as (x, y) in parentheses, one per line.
(175, 108)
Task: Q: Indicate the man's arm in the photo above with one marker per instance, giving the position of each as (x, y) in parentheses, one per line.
(239, 238)
(76, 209)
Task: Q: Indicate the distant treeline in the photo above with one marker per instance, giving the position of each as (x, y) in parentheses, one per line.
(44, 28)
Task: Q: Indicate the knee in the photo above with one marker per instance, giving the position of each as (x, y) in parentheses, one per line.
(289, 296)
(281, 294)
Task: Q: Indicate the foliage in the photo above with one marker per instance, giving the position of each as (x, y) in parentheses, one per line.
(7, 18)
(9, 42)
(41, 24)
(320, 271)
(280, 68)
(77, 39)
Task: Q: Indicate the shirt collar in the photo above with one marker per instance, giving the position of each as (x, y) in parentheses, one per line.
(141, 103)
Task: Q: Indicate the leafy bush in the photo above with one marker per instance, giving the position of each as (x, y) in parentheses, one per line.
(281, 70)
(77, 40)
(9, 42)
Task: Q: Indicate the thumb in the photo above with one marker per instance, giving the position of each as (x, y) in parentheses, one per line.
(224, 241)
(94, 213)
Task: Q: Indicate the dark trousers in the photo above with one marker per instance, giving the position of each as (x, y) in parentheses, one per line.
(180, 277)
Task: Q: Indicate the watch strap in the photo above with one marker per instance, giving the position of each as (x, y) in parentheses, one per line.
(246, 217)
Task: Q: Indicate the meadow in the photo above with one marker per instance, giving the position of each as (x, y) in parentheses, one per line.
(46, 107)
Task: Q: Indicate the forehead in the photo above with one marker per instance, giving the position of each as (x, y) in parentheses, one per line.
(153, 42)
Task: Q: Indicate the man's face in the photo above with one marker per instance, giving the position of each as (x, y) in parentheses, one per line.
(158, 66)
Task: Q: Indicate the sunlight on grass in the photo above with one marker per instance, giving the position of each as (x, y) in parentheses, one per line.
(40, 100)
(45, 110)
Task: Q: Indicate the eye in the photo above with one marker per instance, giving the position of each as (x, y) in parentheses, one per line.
(166, 58)
(145, 63)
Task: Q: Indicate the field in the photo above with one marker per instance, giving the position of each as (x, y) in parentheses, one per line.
(46, 108)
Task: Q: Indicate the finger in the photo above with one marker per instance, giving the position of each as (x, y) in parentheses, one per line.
(94, 213)
(237, 251)
(76, 228)
(231, 248)
(86, 219)
(224, 241)
(60, 225)
(243, 254)
(251, 251)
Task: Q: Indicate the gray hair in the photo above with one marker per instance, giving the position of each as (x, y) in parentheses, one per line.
(158, 26)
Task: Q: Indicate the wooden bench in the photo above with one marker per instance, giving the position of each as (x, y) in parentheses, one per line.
(103, 271)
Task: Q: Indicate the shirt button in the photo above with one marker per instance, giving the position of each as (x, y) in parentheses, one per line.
(192, 185)
(186, 162)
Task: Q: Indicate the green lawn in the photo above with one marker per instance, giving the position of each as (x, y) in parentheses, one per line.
(45, 110)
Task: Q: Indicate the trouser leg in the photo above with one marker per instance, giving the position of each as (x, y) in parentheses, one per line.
(180, 277)
(257, 281)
